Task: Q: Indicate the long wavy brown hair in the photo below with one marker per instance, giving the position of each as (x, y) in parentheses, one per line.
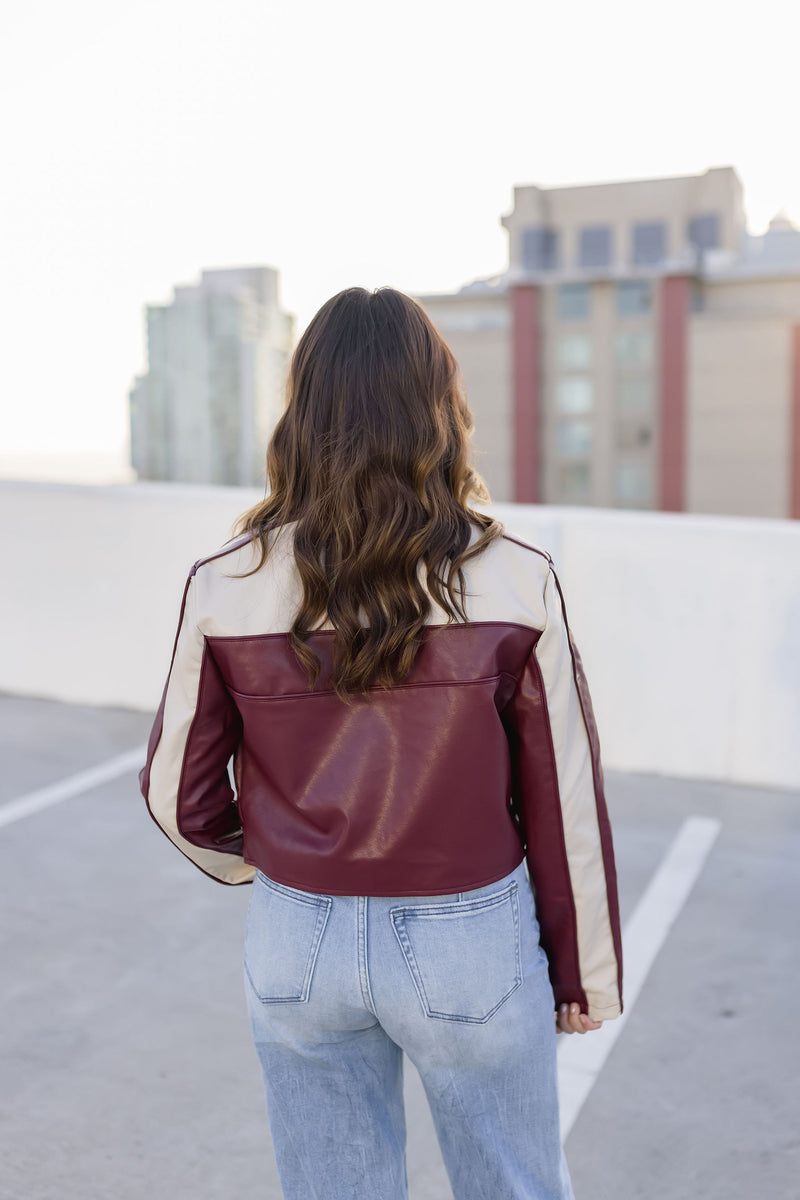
(371, 459)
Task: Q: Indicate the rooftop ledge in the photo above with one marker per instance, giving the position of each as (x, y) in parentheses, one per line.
(688, 626)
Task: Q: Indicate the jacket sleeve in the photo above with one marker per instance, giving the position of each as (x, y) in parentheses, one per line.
(185, 778)
(557, 790)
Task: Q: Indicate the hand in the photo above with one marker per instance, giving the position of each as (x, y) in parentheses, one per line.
(570, 1019)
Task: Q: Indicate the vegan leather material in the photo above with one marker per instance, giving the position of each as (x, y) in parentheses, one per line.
(486, 753)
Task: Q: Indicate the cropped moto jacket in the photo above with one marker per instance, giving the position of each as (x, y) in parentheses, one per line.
(486, 753)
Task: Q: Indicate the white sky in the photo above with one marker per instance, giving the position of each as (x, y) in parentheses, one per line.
(343, 143)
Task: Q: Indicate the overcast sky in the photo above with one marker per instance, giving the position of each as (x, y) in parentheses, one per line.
(343, 143)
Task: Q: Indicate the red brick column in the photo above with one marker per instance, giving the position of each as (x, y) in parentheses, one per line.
(526, 355)
(794, 438)
(672, 389)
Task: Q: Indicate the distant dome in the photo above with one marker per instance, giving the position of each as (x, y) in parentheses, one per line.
(781, 223)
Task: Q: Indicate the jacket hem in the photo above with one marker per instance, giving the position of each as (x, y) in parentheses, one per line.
(437, 891)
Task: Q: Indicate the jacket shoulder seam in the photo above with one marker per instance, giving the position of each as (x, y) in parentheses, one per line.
(228, 548)
(528, 546)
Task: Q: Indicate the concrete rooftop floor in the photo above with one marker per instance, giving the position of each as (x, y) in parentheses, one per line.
(127, 1066)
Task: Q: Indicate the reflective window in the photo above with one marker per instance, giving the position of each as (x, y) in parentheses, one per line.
(632, 482)
(635, 348)
(634, 394)
(574, 350)
(470, 318)
(703, 232)
(574, 394)
(649, 242)
(574, 437)
(539, 249)
(573, 301)
(633, 435)
(634, 297)
(594, 248)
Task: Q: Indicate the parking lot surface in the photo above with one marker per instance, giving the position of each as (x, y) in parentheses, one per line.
(127, 1067)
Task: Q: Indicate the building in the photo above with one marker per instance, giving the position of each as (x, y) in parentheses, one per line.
(642, 350)
(218, 357)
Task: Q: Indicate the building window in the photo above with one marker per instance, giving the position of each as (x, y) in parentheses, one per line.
(573, 301)
(649, 242)
(632, 482)
(574, 395)
(634, 394)
(574, 481)
(574, 437)
(595, 246)
(574, 351)
(703, 232)
(634, 297)
(633, 435)
(470, 318)
(635, 348)
(539, 249)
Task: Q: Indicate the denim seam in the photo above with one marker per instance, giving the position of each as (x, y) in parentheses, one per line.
(456, 907)
(411, 962)
(319, 929)
(363, 967)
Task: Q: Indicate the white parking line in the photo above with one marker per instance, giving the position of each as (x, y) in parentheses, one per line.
(45, 797)
(581, 1055)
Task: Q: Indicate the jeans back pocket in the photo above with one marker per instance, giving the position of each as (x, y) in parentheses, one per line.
(282, 939)
(464, 956)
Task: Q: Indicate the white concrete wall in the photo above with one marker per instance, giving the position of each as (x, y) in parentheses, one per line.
(688, 626)
(689, 630)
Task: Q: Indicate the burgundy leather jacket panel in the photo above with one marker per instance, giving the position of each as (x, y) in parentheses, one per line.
(487, 752)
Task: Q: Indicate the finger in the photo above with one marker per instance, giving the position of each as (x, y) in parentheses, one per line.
(575, 1018)
(572, 1018)
(566, 1019)
(584, 1022)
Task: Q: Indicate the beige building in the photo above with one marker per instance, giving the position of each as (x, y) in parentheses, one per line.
(218, 357)
(642, 350)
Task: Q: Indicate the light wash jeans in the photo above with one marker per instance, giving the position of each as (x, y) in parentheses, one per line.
(339, 986)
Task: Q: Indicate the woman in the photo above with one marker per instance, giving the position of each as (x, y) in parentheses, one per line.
(419, 794)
